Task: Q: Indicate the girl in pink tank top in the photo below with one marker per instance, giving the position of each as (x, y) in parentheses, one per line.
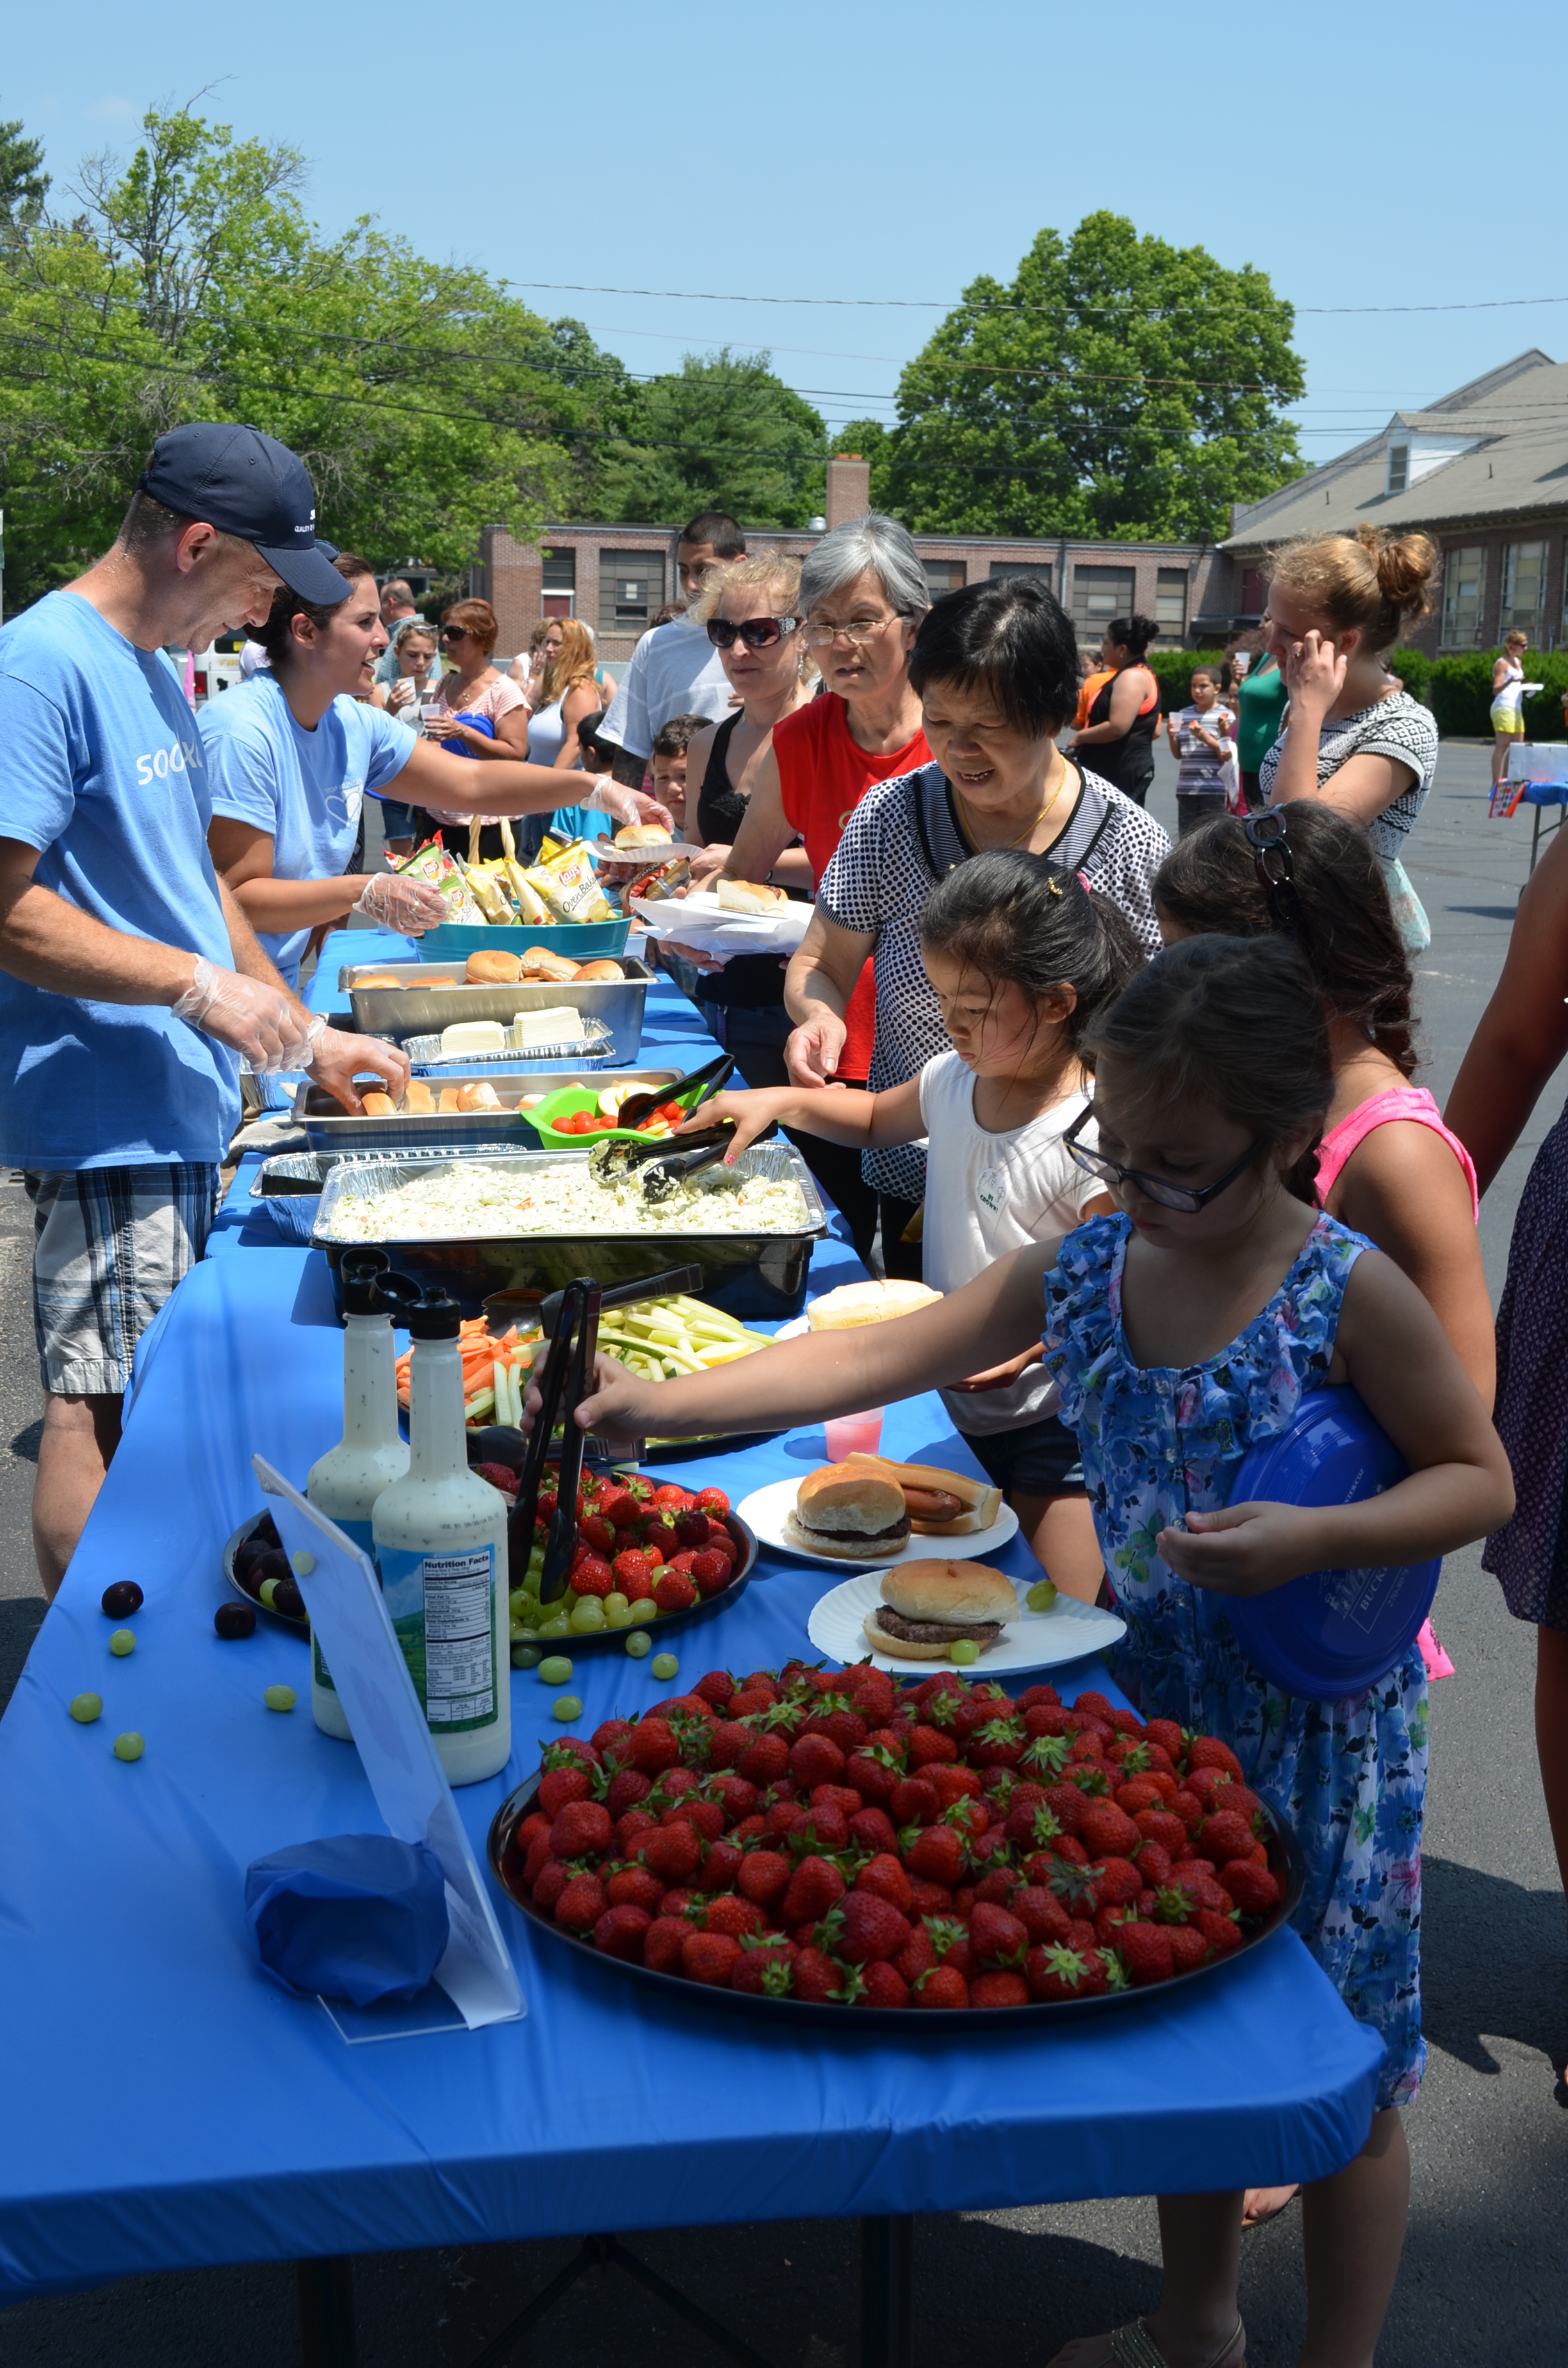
(1414, 1105)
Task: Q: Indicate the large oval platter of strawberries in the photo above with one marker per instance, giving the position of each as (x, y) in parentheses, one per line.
(806, 1840)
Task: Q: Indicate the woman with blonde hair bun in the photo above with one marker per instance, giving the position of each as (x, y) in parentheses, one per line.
(1354, 736)
(1508, 689)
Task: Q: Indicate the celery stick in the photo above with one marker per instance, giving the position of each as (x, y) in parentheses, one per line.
(483, 1402)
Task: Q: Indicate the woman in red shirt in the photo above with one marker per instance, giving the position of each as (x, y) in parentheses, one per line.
(862, 595)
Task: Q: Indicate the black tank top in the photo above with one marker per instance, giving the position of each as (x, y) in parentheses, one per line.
(1127, 763)
(752, 982)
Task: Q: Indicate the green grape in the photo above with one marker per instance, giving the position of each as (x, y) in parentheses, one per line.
(965, 1651)
(518, 1600)
(121, 1642)
(566, 1707)
(639, 1643)
(643, 1610)
(525, 1657)
(617, 1611)
(559, 1624)
(665, 1665)
(280, 1698)
(303, 1564)
(269, 1588)
(129, 1747)
(1041, 1597)
(85, 1708)
(556, 1670)
(587, 1615)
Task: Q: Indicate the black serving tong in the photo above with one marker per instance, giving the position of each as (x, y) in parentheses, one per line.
(625, 1294)
(660, 1176)
(550, 1379)
(690, 1093)
(581, 1333)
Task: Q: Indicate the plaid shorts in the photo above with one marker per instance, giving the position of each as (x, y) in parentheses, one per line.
(109, 1245)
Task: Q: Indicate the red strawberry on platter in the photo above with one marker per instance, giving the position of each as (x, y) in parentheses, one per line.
(634, 1886)
(936, 1853)
(873, 1928)
(815, 1886)
(766, 1970)
(996, 1989)
(764, 1876)
(1058, 1972)
(563, 1785)
(581, 1904)
(732, 1915)
(622, 1931)
(942, 1986)
(816, 1976)
(1253, 1888)
(709, 1957)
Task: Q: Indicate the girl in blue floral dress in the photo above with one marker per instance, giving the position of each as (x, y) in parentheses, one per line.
(1184, 1331)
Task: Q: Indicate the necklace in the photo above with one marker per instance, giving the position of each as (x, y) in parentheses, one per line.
(1029, 827)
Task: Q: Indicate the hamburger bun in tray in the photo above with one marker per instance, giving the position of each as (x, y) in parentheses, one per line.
(928, 1600)
(701, 920)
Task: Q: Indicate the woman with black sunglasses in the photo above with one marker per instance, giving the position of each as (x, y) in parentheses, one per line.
(481, 714)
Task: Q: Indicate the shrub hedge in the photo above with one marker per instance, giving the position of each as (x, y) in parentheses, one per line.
(1458, 690)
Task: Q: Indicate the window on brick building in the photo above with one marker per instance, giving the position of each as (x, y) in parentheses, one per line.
(1252, 592)
(559, 591)
(1523, 590)
(1039, 568)
(1099, 594)
(1170, 603)
(942, 576)
(1464, 584)
(631, 589)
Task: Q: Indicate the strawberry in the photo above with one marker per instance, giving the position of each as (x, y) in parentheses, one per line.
(816, 1759)
(634, 1886)
(1153, 1865)
(883, 1875)
(873, 1829)
(673, 1592)
(885, 1986)
(734, 1795)
(674, 1853)
(1224, 1836)
(963, 1903)
(591, 1576)
(929, 1746)
(949, 1937)
(1044, 1756)
(996, 1888)
(929, 1898)
(1219, 1932)
(1108, 1831)
(732, 1915)
(999, 1989)
(1188, 1948)
(630, 1829)
(1067, 1805)
(710, 1958)
(826, 1828)
(536, 1857)
(632, 1573)
(712, 1501)
(915, 1803)
(871, 1691)
(874, 1773)
(721, 1865)
(715, 1686)
(1056, 1973)
(627, 1787)
(728, 1743)
(1045, 1720)
(673, 1785)
(764, 1876)
(873, 1928)
(1093, 1779)
(917, 1955)
(563, 1785)
(652, 1746)
(707, 1816)
(622, 1931)
(952, 1783)
(1042, 1695)
(766, 1969)
(689, 1905)
(1041, 1913)
(816, 1977)
(1118, 1882)
(583, 1827)
(1253, 1888)
(942, 1986)
(1189, 1809)
(765, 1760)
(1090, 1704)
(581, 1904)
(1141, 1793)
(998, 1743)
(783, 1817)
(814, 1887)
(997, 1937)
(938, 1854)
(1173, 1906)
(1159, 1826)
(1201, 1888)
(1208, 1751)
(710, 1571)
(548, 1877)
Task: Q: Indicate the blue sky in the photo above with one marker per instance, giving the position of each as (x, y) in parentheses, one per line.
(891, 153)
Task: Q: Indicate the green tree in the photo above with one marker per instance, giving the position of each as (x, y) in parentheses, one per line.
(723, 433)
(24, 184)
(425, 402)
(1118, 387)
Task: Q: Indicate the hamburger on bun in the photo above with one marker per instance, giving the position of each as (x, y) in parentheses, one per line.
(928, 1606)
(490, 967)
(749, 897)
(853, 1303)
(849, 1514)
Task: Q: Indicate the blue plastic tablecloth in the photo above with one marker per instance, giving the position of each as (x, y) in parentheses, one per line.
(166, 2106)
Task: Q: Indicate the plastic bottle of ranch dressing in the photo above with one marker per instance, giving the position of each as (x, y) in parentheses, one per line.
(440, 1544)
(345, 1483)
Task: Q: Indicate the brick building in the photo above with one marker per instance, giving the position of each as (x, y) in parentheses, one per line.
(1485, 472)
(617, 577)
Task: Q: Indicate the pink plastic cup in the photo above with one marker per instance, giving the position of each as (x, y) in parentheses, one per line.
(854, 1434)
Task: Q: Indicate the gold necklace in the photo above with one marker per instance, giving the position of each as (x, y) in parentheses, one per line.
(1029, 827)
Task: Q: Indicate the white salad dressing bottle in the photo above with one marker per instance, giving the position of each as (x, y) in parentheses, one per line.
(345, 1483)
(440, 1544)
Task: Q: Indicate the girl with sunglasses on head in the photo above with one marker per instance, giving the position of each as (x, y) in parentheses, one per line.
(481, 714)
(1021, 960)
(1184, 1330)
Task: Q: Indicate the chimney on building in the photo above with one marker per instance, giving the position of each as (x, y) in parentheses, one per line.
(848, 488)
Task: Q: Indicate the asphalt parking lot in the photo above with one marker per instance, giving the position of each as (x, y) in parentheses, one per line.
(1485, 2269)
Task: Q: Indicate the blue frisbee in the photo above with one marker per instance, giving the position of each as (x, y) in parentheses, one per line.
(1330, 1632)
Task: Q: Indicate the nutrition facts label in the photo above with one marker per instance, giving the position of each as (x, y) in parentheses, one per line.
(459, 1638)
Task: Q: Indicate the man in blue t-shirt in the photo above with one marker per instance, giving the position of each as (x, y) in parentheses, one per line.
(131, 983)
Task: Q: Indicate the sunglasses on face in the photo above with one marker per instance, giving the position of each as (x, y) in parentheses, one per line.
(454, 632)
(757, 632)
(1188, 1198)
(1276, 872)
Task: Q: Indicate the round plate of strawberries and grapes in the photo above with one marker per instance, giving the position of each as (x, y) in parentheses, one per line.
(804, 1841)
(649, 1555)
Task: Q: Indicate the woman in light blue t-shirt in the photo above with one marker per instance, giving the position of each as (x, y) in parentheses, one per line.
(292, 756)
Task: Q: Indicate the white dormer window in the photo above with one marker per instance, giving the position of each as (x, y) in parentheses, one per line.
(1399, 468)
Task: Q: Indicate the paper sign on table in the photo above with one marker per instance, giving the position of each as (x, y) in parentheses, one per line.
(349, 1616)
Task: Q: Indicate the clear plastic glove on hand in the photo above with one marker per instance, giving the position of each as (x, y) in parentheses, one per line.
(253, 1019)
(407, 906)
(611, 797)
(335, 1058)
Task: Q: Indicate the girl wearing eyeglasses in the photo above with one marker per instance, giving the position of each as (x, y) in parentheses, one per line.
(1184, 1330)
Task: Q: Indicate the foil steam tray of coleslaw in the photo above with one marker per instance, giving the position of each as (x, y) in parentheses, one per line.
(768, 1191)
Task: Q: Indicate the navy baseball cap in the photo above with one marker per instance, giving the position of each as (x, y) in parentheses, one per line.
(249, 485)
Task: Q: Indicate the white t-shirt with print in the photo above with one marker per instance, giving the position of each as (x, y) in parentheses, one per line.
(987, 1194)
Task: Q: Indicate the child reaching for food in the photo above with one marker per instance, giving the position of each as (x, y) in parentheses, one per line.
(1022, 959)
(1184, 1330)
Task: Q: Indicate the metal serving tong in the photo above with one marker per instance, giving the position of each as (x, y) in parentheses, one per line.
(690, 1093)
(625, 1294)
(566, 1379)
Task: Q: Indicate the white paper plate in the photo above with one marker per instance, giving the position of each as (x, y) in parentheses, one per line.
(796, 1326)
(1036, 1640)
(764, 1509)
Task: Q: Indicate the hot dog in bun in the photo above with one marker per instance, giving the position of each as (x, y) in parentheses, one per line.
(939, 1504)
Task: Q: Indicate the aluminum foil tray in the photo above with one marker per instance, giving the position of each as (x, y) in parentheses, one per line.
(328, 1128)
(435, 997)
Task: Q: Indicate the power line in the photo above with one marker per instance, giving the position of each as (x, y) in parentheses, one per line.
(989, 303)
